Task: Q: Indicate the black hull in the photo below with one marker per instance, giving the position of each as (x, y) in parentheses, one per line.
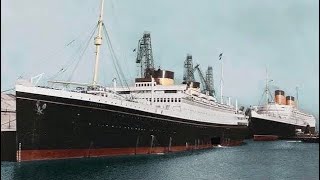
(310, 140)
(67, 125)
(259, 126)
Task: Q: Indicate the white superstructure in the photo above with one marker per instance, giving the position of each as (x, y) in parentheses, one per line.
(284, 114)
(188, 102)
(174, 100)
(281, 109)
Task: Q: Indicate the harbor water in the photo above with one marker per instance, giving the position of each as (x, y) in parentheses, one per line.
(253, 160)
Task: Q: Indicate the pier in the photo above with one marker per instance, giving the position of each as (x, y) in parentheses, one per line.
(8, 127)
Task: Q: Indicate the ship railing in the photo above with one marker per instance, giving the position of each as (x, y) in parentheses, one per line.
(35, 80)
(266, 113)
(216, 106)
(69, 83)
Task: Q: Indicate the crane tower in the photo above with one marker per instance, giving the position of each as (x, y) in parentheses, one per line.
(144, 55)
(209, 80)
(188, 75)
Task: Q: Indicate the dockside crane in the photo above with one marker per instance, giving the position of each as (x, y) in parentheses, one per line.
(209, 78)
(207, 83)
(144, 56)
(188, 74)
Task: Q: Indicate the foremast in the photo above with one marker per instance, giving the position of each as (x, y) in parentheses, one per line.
(267, 91)
(97, 43)
(267, 87)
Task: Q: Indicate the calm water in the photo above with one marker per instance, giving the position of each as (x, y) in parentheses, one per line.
(254, 160)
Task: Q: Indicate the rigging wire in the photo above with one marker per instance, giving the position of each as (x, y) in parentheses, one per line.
(268, 107)
(7, 90)
(65, 67)
(261, 97)
(115, 60)
(4, 102)
(80, 58)
(8, 122)
(115, 17)
(116, 22)
(54, 53)
(67, 64)
(47, 57)
(114, 57)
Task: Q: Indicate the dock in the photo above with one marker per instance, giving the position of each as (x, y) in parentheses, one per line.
(310, 138)
(8, 127)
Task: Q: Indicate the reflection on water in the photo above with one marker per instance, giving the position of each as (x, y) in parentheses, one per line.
(254, 160)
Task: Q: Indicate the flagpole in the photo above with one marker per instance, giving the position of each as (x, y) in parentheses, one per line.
(221, 80)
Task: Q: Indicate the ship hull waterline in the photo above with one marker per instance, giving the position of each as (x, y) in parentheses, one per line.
(68, 128)
(259, 126)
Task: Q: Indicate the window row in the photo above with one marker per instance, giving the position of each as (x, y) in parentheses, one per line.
(144, 84)
(164, 99)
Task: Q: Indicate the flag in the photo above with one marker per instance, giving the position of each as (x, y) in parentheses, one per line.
(134, 49)
(220, 56)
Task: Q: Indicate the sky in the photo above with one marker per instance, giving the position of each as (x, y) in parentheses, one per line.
(44, 36)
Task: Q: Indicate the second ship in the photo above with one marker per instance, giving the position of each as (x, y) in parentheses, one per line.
(279, 117)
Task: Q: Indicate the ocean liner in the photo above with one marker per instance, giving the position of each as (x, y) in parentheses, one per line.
(279, 117)
(155, 115)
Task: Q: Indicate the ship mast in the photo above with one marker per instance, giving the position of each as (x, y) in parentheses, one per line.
(297, 99)
(97, 43)
(267, 87)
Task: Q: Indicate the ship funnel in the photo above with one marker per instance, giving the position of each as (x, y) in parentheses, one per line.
(279, 97)
(290, 100)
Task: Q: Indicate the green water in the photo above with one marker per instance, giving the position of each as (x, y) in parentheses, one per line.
(254, 160)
